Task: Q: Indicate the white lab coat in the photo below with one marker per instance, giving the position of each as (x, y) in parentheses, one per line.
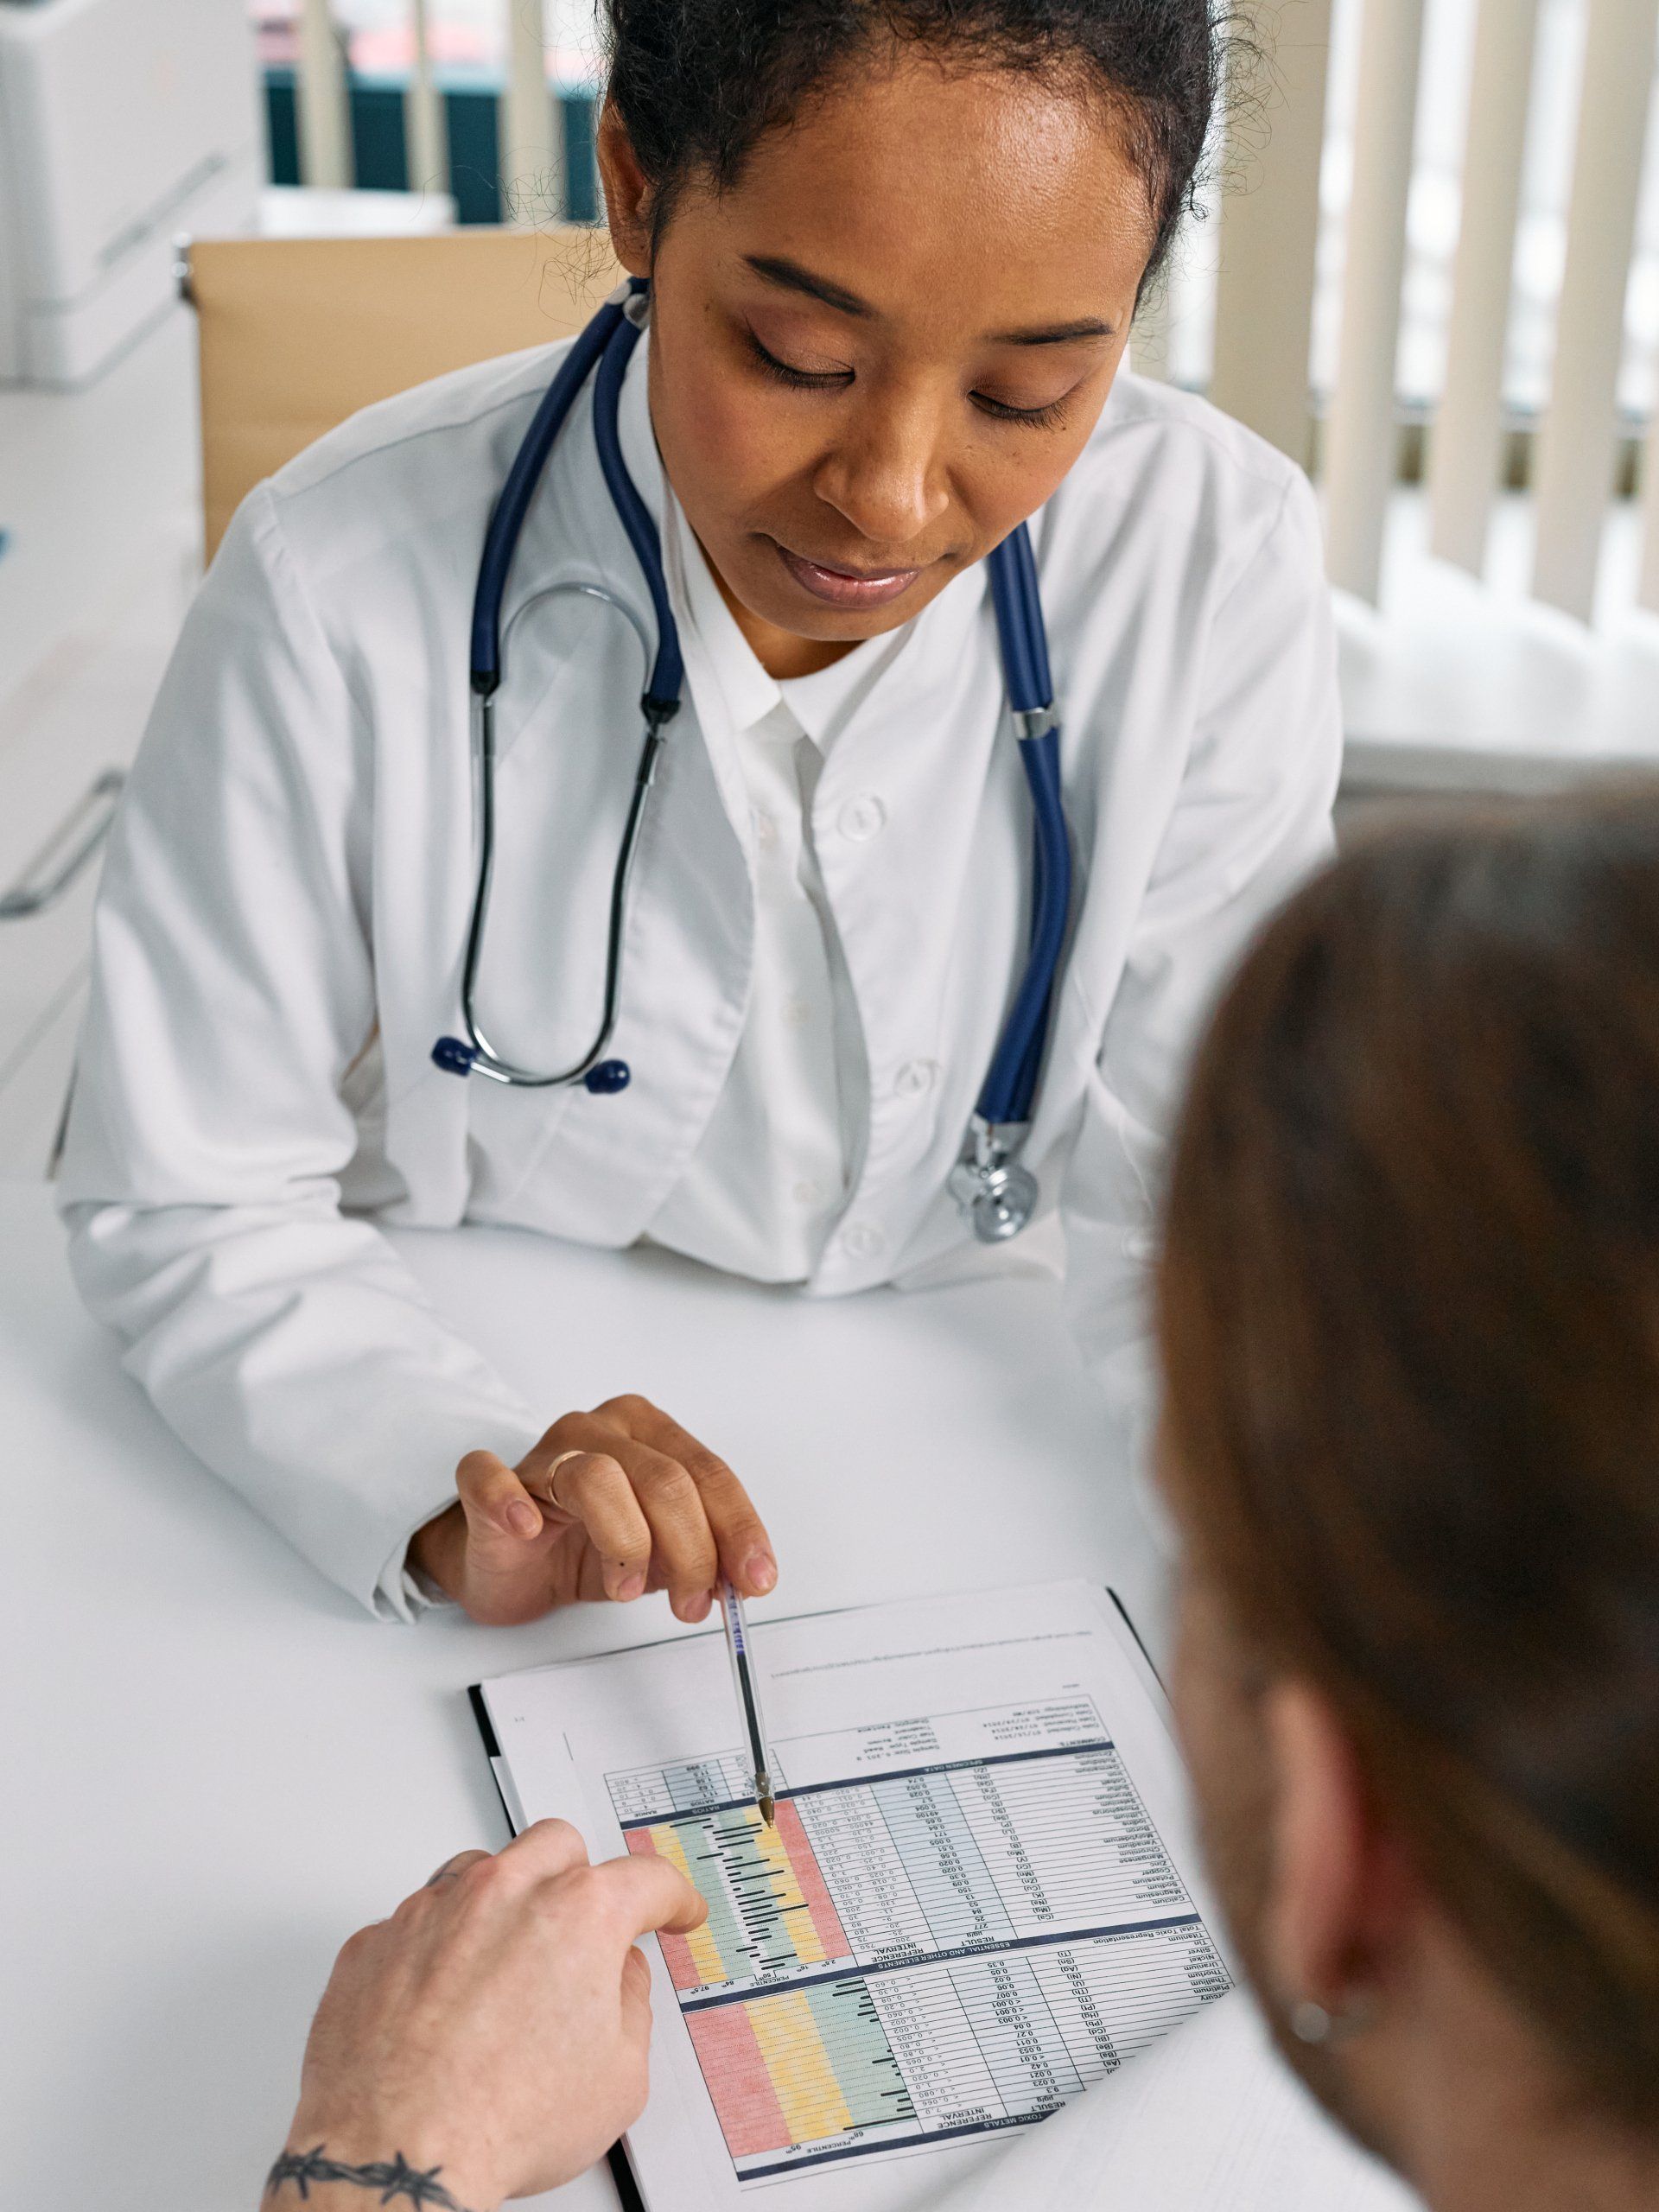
(286, 897)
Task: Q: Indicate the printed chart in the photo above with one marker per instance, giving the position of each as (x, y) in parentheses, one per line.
(935, 1950)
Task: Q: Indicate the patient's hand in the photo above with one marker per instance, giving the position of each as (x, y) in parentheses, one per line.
(608, 1504)
(493, 2029)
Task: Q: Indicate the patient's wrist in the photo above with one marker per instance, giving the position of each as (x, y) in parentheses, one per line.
(328, 2175)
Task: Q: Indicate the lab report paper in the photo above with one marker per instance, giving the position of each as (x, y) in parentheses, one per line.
(1208, 2120)
(980, 1898)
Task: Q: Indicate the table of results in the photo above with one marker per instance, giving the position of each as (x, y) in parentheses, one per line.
(934, 1862)
(857, 2064)
(950, 1948)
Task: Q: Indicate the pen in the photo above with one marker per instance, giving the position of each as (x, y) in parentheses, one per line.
(737, 1643)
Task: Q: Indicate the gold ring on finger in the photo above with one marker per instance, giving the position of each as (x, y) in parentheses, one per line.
(554, 1466)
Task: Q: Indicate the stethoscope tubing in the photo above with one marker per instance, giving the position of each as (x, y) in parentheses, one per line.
(485, 1060)
(1020, 630)
(609, 341)
(507, 521)
(667, 680)
(1010, 1085)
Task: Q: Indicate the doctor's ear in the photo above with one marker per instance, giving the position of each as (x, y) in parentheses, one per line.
(629, 198)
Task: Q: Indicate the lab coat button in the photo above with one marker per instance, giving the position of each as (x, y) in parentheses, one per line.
(1139, 1245)
(808, 1193)
(766, 830)
(862, 819)
(915, 1077)
(863, 1239)
(796, 1012)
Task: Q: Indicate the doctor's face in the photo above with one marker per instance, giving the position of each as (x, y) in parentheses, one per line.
(885, 346)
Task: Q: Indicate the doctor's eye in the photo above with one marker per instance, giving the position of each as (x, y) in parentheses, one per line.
(797, 379)
(1042, 418)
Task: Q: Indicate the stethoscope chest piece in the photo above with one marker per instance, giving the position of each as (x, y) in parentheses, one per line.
(997, 1196)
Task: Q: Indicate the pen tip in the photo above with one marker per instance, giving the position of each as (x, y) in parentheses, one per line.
(768, 1810)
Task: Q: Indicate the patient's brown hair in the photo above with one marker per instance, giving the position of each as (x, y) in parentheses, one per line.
(1409, 1310)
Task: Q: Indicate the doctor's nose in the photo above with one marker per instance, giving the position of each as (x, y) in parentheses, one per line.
(886, 478)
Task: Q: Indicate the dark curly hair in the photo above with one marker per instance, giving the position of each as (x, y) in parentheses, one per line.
(697, 83)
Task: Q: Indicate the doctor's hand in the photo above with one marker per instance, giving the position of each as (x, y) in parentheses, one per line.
(495, 2028)
(609, 1504)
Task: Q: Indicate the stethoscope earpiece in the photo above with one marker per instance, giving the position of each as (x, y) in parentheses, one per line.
(453, 1056)
(456, 1057)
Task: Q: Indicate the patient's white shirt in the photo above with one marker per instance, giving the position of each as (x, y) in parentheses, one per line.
(1208, 2120)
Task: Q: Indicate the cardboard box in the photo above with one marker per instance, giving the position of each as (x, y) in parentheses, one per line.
(297, 333)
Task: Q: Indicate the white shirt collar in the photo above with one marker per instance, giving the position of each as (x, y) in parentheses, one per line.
(819, 704)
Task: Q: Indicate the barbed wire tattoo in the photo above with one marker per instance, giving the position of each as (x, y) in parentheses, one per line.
(398, 2182)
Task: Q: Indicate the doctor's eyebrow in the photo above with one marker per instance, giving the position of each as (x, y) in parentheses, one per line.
(1056, 334)
(792, 277)
(789, 276)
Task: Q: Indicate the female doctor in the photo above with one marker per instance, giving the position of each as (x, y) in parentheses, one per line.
(896, 970)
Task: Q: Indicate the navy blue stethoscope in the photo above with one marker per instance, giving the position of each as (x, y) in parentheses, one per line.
(998, 1196)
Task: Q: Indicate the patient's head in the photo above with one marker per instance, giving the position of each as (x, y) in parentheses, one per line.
(1409, 1312)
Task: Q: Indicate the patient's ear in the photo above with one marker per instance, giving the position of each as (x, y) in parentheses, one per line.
(627, 195)
(1332, 1859)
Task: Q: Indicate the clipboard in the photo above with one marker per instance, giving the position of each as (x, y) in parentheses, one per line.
(629, 2195)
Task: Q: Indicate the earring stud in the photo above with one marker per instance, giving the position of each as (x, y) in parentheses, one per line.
(1315, 2024)
(1309, 2022)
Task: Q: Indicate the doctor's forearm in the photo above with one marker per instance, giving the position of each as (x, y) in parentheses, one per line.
(293, 1352)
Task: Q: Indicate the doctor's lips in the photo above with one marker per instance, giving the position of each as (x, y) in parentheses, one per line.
(846, 586)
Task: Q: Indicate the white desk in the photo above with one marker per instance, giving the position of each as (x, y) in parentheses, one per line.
(213, 1768)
